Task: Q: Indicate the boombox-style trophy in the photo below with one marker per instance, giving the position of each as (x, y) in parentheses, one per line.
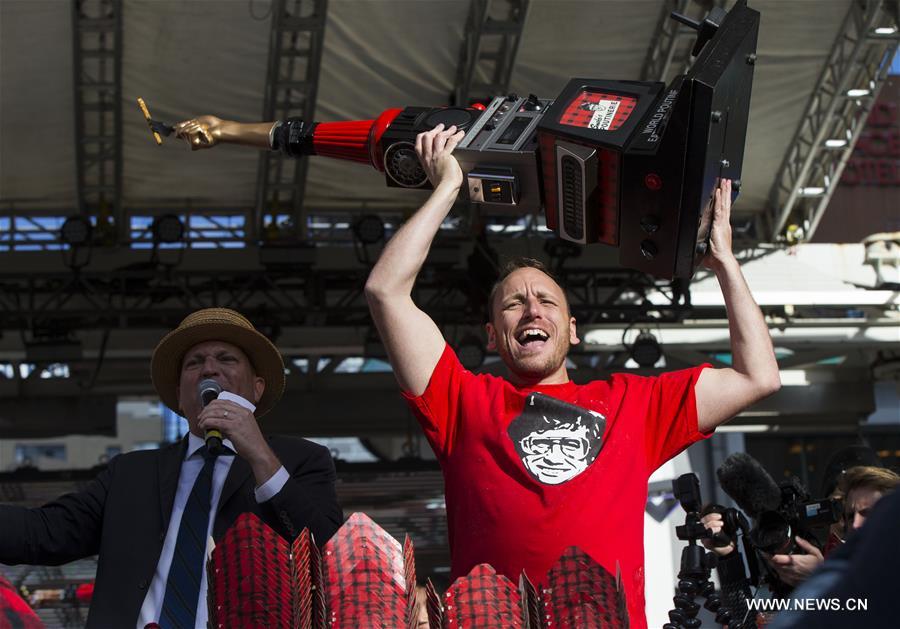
(632, 165)
(629, 164)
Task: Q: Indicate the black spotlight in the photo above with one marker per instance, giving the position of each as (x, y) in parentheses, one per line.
(369, 229)
(167, 228)
(645, 350)
(76, 231)
(470, 351)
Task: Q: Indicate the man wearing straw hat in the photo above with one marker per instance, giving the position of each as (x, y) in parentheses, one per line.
(150, 513)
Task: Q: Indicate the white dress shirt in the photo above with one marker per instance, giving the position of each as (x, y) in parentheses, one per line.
(190, 469)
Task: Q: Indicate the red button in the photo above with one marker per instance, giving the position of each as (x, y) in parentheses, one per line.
(653, 181)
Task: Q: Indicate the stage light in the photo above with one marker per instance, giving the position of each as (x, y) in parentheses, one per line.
(369, 229)
(856, 93)
(885, 30)
(167, 228)
(470, 352)
(645, 350)
(812, 191)
(835, 144)
(76, 231)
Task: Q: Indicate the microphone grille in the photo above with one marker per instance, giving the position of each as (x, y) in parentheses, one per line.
(208, 391)
(210, 385)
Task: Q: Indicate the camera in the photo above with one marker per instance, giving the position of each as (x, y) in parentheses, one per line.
(795, 515)
(780, 512)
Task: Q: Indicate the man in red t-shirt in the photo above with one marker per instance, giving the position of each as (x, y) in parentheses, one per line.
(534, 463)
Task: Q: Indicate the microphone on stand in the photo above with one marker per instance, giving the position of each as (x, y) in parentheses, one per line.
(209, 390)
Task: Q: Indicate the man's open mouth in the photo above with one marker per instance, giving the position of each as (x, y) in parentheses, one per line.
(532, 335)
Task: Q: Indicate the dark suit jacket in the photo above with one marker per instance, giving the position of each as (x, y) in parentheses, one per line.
(123, 515)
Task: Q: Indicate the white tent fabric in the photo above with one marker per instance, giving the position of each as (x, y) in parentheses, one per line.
(187, 57)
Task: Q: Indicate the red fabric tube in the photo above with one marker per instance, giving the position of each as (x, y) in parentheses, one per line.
(348, 140)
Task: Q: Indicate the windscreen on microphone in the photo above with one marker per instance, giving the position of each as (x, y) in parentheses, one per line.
(208, 390)
(748, 484)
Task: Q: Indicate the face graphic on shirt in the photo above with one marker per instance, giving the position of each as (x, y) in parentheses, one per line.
(556, 441)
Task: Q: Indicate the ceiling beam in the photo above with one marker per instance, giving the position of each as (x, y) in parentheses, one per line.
(292, 80)
(294, 292)
(375, 408)
(669, 53)
(832, 337)
(97, 68)
(228, 227)
(836, 112)
(665, 41)
(488, 54)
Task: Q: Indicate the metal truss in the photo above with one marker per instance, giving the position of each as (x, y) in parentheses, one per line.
(670, 37)
(292, 292)
(204, 229)
(670, 47)
(292, 80)
(229, 227)
(489, 50)
(97, 67)
(834, 117)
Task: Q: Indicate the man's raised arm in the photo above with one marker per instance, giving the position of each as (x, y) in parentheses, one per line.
(413, 342)
(723, 393)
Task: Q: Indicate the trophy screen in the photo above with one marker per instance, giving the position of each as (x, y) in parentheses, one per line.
(598, 110)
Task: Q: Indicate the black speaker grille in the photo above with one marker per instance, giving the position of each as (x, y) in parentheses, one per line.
(448, 116)
(403, 167)
(572, 182)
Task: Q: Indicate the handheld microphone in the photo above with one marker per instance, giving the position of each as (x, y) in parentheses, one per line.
(749, 485)
(209, 390)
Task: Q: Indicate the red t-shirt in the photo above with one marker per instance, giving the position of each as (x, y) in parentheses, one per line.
(529, 472)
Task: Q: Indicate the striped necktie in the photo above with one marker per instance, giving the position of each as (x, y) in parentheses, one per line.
(179, 609)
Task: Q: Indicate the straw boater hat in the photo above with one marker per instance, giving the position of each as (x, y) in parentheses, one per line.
(216, 324)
